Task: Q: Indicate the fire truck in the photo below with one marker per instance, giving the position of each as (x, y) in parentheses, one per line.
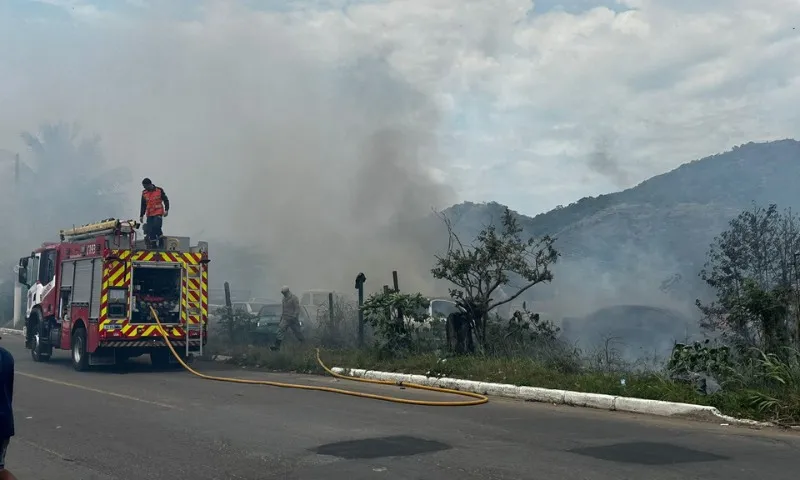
(91, 294)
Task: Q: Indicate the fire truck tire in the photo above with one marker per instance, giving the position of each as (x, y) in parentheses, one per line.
(160, 358)
(80, 359)
(40, 351)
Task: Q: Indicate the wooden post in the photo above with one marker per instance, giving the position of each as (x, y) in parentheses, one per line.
(388, 311)
(396, 286)
(330, 309)
(229, 308)
(360, 279)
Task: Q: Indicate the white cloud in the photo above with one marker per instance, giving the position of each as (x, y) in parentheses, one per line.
(660, 82)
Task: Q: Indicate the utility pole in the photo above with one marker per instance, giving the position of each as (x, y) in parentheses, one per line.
(17, 316)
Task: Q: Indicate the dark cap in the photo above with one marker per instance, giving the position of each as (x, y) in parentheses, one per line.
(147, 182)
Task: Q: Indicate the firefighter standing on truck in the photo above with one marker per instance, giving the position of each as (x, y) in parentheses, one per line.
(290, 317)
(155, 205)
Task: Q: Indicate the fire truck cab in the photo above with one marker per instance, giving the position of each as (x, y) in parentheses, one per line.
(91, 294)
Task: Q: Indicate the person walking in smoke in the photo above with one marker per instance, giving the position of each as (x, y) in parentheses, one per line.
(290, 318)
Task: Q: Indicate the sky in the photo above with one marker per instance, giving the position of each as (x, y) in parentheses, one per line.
(531, 104)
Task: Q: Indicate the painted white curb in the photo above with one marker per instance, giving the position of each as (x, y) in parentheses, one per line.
(564, 397)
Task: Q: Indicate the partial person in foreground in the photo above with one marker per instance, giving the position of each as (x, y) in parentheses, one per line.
(290, 318)
(6, 410)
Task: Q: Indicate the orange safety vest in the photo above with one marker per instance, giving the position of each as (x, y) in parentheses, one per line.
(155, 206)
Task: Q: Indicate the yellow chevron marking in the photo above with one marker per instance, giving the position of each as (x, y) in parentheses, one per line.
(126, 329)
(120, 322)
(113, 280)
(149, 330)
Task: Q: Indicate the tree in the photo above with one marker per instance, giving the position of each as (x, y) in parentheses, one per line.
(68, 173)
(396, 317)
(753, 268)
(63, 181)
(478, 271)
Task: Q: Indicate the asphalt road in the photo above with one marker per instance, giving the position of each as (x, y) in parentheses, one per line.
(139, 423)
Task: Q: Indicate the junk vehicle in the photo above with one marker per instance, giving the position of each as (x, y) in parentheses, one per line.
(91, 293)
(265, 327)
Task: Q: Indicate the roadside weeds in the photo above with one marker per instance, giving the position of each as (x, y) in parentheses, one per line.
(733, 403)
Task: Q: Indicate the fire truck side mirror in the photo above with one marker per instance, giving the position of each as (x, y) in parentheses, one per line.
(22, 273)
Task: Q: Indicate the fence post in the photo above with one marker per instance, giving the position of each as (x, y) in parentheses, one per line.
(360, 279)
(396, 286)
(229, 309)
(330, 310)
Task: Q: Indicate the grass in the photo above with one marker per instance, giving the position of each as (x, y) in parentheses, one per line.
(753, 399)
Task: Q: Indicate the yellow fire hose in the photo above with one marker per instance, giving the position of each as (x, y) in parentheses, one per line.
(479, 399)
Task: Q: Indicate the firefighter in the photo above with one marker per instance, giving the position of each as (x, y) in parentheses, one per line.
(290, 318)
(155, 205)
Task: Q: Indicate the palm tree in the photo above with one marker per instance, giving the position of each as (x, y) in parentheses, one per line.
(63, 182)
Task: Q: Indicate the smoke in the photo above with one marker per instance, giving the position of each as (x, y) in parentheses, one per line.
(612, 279)
(622, 300)
(639, 296)
(268, 137)
(603, 161)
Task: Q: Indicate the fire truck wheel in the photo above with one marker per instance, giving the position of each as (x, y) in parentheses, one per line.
(80, 359)
(160, 358)
(40, 351)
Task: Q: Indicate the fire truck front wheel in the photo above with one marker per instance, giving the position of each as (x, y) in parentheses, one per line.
(80, 359)
(41, 350)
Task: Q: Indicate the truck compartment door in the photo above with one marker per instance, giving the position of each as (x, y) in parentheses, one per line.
(157, 285)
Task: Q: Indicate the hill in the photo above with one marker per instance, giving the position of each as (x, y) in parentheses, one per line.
(645, 245)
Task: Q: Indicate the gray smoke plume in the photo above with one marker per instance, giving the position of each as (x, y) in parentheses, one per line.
(267, 141)
(603, 161)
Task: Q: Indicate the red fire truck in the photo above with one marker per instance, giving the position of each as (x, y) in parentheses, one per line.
(91, 293)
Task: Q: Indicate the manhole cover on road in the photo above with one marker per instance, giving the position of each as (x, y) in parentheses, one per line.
(399, 446)
(647, 453)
